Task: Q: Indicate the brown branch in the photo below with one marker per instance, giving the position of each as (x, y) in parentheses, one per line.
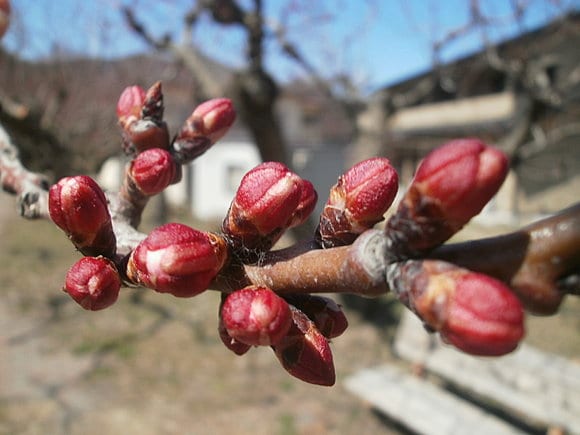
(30, 187)
(541, 262)
(189, 55)
(531, 260)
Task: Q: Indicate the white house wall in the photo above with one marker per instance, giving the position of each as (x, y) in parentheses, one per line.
(216, 176)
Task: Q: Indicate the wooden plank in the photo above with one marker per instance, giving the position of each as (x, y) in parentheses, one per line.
(544, 388)
(421, 406)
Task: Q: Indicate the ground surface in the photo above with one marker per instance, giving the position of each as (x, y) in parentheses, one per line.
(153, 364)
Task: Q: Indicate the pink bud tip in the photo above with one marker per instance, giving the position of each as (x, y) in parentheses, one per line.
(462, 175)
(177, 259)
(256, 316)
(4, 16)
(264, 205)
(305, 353)
(214, 118)
(153, 170)
(130, 103)
(78, 206)
(93, 282)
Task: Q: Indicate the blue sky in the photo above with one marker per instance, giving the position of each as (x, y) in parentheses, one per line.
(375, 41)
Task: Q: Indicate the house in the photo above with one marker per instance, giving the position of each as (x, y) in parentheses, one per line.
(522, 95)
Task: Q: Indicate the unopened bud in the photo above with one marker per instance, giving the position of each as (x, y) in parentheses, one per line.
(452, 184)
(78, 206)
(263, 206)
(208, 123)
(256, 316)
(93, 282)
(472, 311)
(130, 104)
(326, 314)
(4, 16)
(152, 171)
(177, 259)
(305, 353)
(358, 201)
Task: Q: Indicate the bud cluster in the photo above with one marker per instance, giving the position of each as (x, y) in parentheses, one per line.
(156, 161)
(472, 311)
(174, 258)
(298, 329)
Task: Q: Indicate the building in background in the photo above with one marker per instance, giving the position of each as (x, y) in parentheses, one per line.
(522, 95)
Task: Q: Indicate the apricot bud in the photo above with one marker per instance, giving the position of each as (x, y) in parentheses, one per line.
(78, 206)
(93, 283)
(208, 123)
(472, 311)
(130, 104)
(305, 353)
(256, 316)
(152, 171)
(358, 201)
(452, 184)
(263, 207)
(177, 259)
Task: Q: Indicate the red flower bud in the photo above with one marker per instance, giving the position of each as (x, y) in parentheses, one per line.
(177, 259)
(306, 205)
(305, 353)
(93, 282)
(256, 316)
(130, 104)
(263, 206)
(358, 201)
(462, 176)
(152, 171)
(472, 311)
(326, 314)
(214, 118)
(208, 123)
(452, 184)
(78, 206)
(4, 16)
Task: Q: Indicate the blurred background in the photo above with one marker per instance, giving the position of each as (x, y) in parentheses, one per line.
(318, 86)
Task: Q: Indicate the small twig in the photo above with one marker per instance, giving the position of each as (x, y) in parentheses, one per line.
(30, 188)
